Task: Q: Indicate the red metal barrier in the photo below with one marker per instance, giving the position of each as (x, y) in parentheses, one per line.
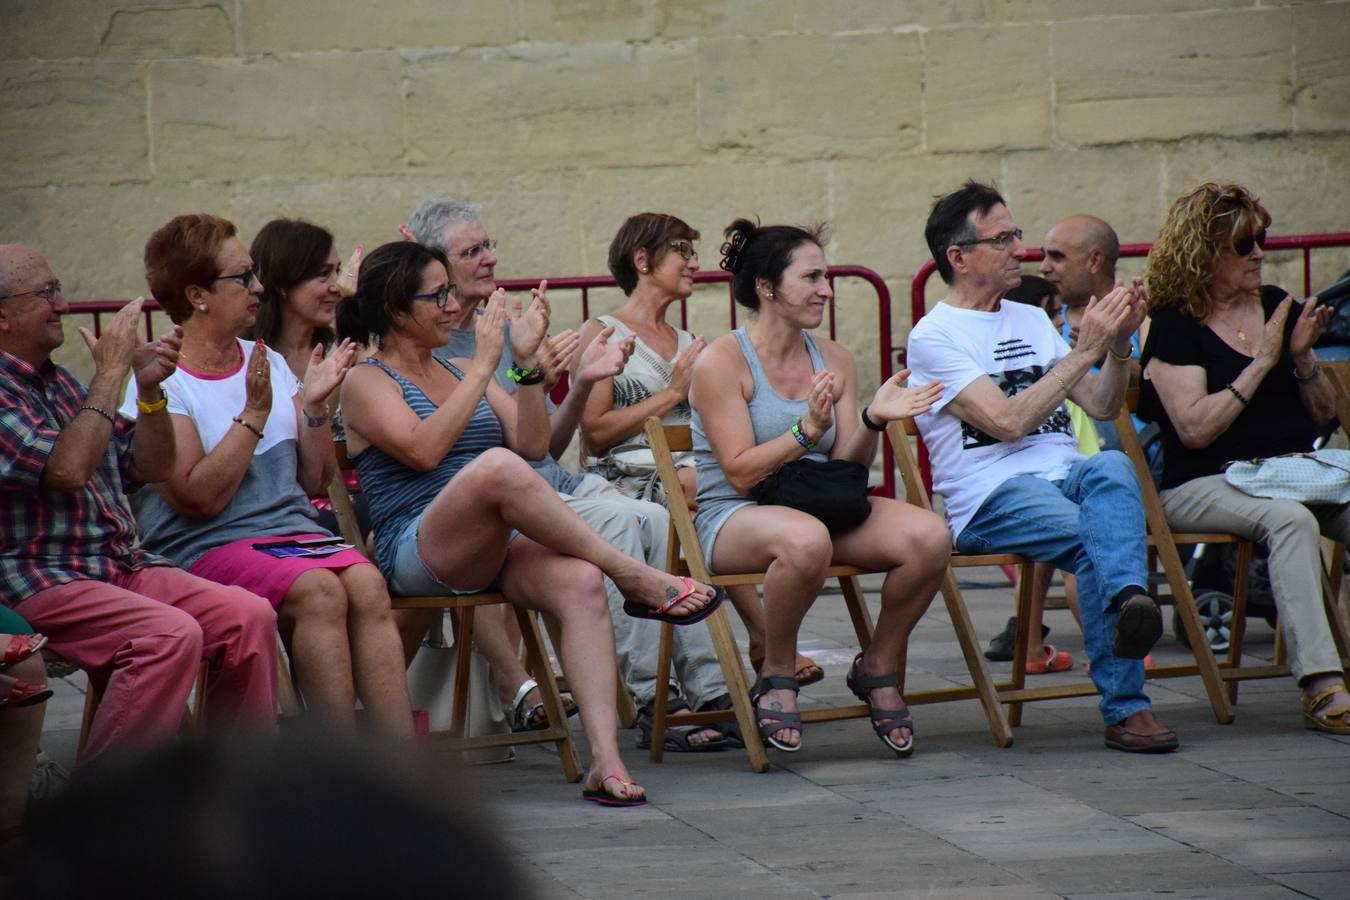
(586, 283)
(918, 304)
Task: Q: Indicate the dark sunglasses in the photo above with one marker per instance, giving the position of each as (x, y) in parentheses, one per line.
(1244, 246)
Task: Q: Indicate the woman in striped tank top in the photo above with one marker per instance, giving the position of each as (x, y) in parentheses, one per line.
(456, 508)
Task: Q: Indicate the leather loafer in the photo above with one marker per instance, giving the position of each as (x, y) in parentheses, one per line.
(1141, 733)
(1138, 627)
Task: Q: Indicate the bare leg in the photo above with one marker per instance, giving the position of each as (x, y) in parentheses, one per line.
(573, 592)
(1041, 573)
(376, 652)
(20, 731)
(915, 546)
(413, 625)
(498, 637)
(499, 491)
(313, 620)
(793, 550)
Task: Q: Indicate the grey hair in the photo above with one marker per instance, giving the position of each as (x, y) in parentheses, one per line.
(428, 220)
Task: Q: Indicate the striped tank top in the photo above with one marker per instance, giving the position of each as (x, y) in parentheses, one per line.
(397, 493)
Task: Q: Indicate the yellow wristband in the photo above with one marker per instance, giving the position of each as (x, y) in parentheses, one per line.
(155, 407)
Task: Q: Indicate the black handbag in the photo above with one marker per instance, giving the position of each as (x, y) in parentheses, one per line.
(835, 492)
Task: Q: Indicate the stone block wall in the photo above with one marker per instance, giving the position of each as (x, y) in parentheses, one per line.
(564, 116)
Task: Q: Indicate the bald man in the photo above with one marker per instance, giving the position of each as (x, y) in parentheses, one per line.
(1080, 261)
(70, 557)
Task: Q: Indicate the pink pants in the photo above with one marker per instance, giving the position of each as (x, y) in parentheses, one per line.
(144, 636)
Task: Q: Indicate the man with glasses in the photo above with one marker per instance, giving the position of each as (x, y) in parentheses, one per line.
(636, 527)
(70, 557)
(1004, 456)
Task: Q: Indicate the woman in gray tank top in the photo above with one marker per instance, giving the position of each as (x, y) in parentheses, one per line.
(770, 394)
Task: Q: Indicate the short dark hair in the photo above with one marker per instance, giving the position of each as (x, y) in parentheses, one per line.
(949, 221)
(390, 275)
(753, 251)
(181, 253)
(648, 231)
(286, 252)
(1033, 291)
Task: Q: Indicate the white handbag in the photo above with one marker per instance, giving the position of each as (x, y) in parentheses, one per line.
(1322, 476)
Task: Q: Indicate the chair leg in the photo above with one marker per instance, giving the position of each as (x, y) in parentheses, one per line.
(459, 703)
(863, 626)
(664, 651)
(738, 688)
(92, 697)
(975, 663)
(538, 664)
(1025, 585)
(1219, 695)
(288, 698)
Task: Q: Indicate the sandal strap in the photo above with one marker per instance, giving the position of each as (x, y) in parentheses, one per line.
(1321, 698)
(766, 683)
(884, 721)
(519, 716)
(862, 682)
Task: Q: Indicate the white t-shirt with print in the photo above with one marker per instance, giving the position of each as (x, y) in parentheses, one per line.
(1014, 346)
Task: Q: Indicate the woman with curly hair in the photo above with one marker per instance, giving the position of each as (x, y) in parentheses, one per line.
(1223, 360)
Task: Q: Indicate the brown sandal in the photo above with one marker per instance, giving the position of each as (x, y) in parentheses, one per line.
(1331, 722)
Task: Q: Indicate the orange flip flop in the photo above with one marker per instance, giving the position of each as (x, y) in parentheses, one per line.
(1052, 661)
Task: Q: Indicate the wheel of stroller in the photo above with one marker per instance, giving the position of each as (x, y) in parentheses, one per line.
(1216, 615)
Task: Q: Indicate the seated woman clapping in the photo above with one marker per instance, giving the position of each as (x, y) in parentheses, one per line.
(1230, 374)
(251, 446)
(770, 394)
(456, 508)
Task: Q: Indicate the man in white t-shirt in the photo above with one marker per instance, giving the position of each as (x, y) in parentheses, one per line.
(1004, 456)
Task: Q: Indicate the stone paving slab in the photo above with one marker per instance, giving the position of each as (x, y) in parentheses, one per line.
(1283, 839)
(1181, 870)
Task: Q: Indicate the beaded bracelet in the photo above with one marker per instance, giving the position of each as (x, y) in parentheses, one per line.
(256, 431)
(1062, 386)
(800, 436)
(1238, 394)
(102, 412)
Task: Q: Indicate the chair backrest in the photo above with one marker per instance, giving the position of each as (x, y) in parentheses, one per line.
(341, 499)
(666, 440)
(899, 432)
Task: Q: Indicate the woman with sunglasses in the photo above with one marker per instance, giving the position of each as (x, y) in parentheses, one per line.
(1229, 373)
(441, 449)
(252, 446)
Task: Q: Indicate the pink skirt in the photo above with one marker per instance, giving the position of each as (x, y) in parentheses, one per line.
(267, 576)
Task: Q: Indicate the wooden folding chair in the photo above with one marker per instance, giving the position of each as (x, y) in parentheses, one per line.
(1163, 542)
(685, 557)
(1013, 692)
(462, 608)
(193, 715)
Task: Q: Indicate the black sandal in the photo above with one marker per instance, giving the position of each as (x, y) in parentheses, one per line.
(677, 737)
(884, 721)
(771, 721)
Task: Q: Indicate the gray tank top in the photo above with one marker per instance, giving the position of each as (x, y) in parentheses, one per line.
(770, 416)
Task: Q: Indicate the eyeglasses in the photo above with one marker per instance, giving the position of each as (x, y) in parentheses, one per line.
(487, 245)
(441, 297)
(47, 292)
(1001, 241)
(244, 278)
(1244, 246)
(685, 249)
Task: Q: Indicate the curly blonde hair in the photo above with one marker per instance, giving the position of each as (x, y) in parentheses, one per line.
(1201, 223)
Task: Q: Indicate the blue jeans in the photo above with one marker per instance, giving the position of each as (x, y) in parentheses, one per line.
(1091, 524)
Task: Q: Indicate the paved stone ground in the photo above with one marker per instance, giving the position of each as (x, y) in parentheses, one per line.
(1258, 809)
